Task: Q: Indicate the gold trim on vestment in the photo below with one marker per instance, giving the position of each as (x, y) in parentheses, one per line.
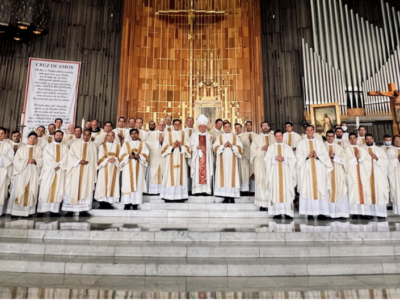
(82, 170)
(181, 170)
(170, 136)
(128, 147)
(171, 168)
(290, 139)
(138, 162)
(360, 185)
(50, 140)
(27, 188)
(372, 178)
(146, 157)
(216, 148)
(280, 172)
(313, 172)
(233, 170)
(333, 179)
(182, 137)
(240, 149)
(159, 175)
(221, 170)
(54, 184)
(165, 149)
(188, 149)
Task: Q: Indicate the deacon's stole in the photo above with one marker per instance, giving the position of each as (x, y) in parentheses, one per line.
(171, 159)
(114, 170)
(136, 151)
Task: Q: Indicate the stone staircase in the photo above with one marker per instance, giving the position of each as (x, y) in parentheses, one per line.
(198, 238)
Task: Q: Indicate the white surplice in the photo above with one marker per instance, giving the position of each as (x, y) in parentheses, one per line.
(379, 183)
(6, 168)
(133, 172)
(394, 178)
(142, 134)
(71, 141)
(361, 141)
(102, 138)
(188, 133)
(67, 137)
(25, 184)
(336, 194)
(343, 142)
(41, 142)
(123, 131)
(387, 148)
(312, 180)
(257, 159)
(16, 146)
(52, 182)
(291, 139)
(227, 179)
(246, 169)
(175, 181)
(280, 179)
(358, 181)
(202, 170)
(81, 179)
(156, 167)
(107, 187)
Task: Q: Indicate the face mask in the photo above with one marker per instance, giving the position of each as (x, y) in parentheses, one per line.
(388, 143)
(344, 128)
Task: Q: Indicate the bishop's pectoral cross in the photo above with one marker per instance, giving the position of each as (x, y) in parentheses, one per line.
(394, 96)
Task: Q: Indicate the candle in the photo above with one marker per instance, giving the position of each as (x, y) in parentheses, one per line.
(357, 122)
(155, 117)
(83, 123)
(22, 118)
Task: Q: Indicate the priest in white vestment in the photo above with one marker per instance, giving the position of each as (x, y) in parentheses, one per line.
(258, 149)
(217, 130)
(52, 178)
(202, 170)
(77, 136)
(96, 130)
(121, 132)
(81, 175)
(51, 131)
(168, 123)
(133, 159)
(290, 137)
(359, 165)
(69, 135)
(336, 193)
(107, 187)
(340, 139)
(249, 135)
(228, 149)
(379, 183)
(393, 174)
(362, 131)
(280, 164)
(15, 141)
(387, 143)
(6, 161)
(175, 149)
(314, 165)
(41, 140)
(189, 130)
(27, 164)
(155, 171)
(244, 163)
(142, 133)
(102, 137)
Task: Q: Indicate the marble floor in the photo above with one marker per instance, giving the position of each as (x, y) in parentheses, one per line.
(44, 286)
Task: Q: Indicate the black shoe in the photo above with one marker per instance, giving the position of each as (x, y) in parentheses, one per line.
(232, 200)
(105, 205)
(226, 200)
(355, 217)
(390, 208)
(39, 215)
(288, 217)
(310, 218)
(55, 215)
(14, 217)
(381, 218)
(277, 217)
(322, 218)
(263, 209)
(367, 217)
(127, 207)
(84, 214)
(135, 206)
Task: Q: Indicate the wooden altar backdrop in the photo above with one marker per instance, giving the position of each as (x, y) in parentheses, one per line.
(174, 53)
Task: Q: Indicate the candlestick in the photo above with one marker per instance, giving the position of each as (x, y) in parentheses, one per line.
(83, 123)
(357, 122)
(22, 118)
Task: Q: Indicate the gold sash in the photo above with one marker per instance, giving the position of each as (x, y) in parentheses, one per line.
(54, 184)
(82, 170)
(280, 169)
(372, 178)
(313, 172)
(333, 180)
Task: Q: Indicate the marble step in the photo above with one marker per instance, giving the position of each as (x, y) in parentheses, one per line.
(200, 199)
(200, 250)
(180, 213)
(200, 206)
(135, 234)
(210, 267)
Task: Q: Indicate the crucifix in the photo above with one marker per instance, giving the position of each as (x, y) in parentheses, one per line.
(394, 96)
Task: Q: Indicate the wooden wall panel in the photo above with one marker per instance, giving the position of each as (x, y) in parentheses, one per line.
(158, 45)
(87, 31)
